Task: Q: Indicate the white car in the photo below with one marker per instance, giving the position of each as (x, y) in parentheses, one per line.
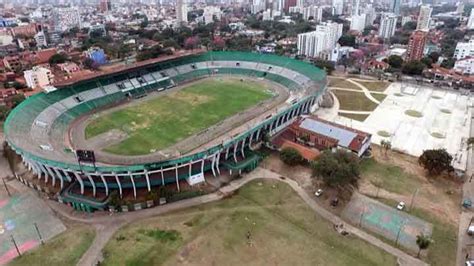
(318, 192)
(401, 205)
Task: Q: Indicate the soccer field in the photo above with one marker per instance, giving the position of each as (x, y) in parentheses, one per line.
(160, 122)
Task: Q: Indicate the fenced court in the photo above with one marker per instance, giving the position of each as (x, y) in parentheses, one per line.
(385, 220)
(18, 216)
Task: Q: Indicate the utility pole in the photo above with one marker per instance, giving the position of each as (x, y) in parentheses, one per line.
(361, 216)
(398, 234)
(413, 198)
(39, 234)
(6, 188)
(16, 246)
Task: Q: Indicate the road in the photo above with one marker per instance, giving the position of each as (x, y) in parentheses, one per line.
(107, 225)
(465, 242)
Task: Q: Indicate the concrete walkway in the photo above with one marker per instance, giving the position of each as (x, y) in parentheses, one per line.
(366, 91)
(355, 112)
(106, 225)
(354, 90)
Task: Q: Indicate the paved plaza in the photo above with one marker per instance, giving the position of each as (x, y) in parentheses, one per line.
(416, 118)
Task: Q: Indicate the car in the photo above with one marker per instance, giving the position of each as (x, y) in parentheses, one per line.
(401, 205)
(318, 192)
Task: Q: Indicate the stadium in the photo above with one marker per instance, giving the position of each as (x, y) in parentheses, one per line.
(159, 122)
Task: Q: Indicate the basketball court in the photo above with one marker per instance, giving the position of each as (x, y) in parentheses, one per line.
(18, 215)
(387, 221)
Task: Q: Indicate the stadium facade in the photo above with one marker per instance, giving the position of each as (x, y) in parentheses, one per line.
(39, 127)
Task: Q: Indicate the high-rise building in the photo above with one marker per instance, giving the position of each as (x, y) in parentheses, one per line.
(313, 11)
(355, 7)
(395, 7)
(324, 38)
(470, 22)
(66, 18)
(333, 31)
(105, 6)
(181, 11)
(370, 15)
(311, 44)
(337, 7)
(388, 25)
(287, 4)
(358, 22)
(460, 8)
(424, 18)
(464, 49)
(211, 12)
(416, 45)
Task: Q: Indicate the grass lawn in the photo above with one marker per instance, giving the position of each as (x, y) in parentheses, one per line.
(64, 249)
(379, 96)
(354, 101)
(264, 223)
(390, 177)
(375, 85)
(443, 250)
(342, 83)
(165, 120)
(358, 117)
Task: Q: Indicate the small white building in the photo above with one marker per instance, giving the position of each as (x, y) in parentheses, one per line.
(465, 66)
(38, 77)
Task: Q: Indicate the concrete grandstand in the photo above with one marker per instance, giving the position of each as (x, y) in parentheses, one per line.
(42, 129)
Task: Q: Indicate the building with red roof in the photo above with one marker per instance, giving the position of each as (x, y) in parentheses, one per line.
(310, 134)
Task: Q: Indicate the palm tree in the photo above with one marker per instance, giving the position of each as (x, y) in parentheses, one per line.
(386, 145)
(423, 242)
(470, 142)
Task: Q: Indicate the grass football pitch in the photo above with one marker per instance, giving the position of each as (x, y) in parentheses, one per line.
(265, 223)
(160, 122)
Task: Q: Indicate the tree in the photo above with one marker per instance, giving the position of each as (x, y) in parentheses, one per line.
(337, 169)
(57, 59)
(326, 65)
(448, 63)
(427, 61)
(423, 242)
(413, 68)
(409, 26)
(218, 43)
(3, 112)
(386, 145)
(291, 156)
(395, 61)
(434, 56)
(17, 99)
(436, 161)
(347, 40)
(191, 42)
(90, 64)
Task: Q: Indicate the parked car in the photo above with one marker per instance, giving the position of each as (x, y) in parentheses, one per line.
(318, 192)
(334, 202)
(401, 205)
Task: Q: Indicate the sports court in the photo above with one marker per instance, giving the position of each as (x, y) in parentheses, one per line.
(386, 221)
(17, 217)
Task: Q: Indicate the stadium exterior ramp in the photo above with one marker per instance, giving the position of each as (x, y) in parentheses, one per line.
(38, 128)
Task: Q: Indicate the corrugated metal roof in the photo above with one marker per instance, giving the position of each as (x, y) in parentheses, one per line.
(344, 136)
